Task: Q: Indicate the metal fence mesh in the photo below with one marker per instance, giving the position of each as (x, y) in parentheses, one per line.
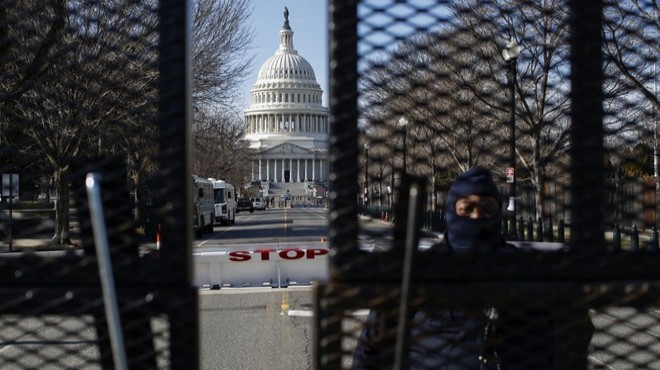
(558, 100)
(89, 86)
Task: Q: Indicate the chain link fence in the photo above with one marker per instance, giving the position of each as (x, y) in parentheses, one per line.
(545, 95)
(101, 88)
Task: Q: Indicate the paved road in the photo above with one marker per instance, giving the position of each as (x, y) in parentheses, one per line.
(248, 328)
(256, 329)
(272, 225)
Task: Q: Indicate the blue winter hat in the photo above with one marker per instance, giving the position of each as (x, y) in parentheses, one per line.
(476, 181)
(463, 233)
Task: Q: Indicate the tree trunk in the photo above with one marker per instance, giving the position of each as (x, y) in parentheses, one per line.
(434, 195)
(538, 179)
(61, 236)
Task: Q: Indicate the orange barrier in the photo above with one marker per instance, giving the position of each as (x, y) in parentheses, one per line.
(158, 239)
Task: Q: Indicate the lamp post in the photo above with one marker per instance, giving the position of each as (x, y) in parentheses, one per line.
(366, 174)
(510, 54)
(403, 122)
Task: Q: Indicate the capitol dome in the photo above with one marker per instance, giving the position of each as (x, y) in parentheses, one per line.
(286, 124)
(284, 71)
(286, 64)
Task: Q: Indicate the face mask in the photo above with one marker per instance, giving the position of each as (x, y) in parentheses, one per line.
(469, 234)
(466, 234)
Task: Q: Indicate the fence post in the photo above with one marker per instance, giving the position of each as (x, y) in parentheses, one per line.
(530, 229)
(634, 238)
(616, 238)
(653, 243)
(521, 227)
(505, 227)
(560, 232)
(539, 230)
(549, 231)
(440, 220)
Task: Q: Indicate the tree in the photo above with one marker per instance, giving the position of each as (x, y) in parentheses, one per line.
(219, 150)
(221, 38)
(631, 31)
(81, 80)
(542, 90)
(25, 59)
(449, 129)
(451, 84)
(93, 99)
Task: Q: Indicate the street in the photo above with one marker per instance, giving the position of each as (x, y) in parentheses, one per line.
(258, 328)
(271, 328)
(271, 225)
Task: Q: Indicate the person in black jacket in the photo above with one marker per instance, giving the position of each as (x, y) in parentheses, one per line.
(455, 339)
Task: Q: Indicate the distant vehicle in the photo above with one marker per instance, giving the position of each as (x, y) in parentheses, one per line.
(259, 204)
(203, 212)
(224, 199)
(244, 204)
(202, 202)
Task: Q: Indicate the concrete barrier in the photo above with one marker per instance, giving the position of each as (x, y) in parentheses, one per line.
(267, 264)
(280, 265)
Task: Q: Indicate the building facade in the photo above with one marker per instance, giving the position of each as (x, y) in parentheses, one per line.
(287, 125)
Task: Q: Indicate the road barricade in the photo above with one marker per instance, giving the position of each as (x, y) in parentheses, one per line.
(280, 265)
(277, 265)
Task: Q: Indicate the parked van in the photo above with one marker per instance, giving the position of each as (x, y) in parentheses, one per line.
(259, 203)
(224, 199)
(203, 213)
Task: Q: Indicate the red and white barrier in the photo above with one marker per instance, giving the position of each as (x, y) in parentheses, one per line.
(265, 264)
(279, 265)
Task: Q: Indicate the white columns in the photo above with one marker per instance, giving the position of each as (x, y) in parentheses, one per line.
(306, 170)
(267, 170)
(261, 176)
(298, 170)
(314, 169)
(282, 170)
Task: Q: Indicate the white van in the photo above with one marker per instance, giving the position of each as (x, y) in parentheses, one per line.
(259, 204)
(224, 199)
(202, 206)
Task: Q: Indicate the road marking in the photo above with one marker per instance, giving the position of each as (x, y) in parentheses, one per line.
(285, 214)
(286, 342)
(309, 313)
(301, 313)
(285, 301)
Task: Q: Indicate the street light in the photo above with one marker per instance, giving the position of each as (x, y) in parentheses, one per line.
(366, 173)
(403, 122)
(510, 54)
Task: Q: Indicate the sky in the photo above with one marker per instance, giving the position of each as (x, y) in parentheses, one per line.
(308, 20)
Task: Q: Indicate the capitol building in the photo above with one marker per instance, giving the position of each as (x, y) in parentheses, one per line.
(287, 126)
